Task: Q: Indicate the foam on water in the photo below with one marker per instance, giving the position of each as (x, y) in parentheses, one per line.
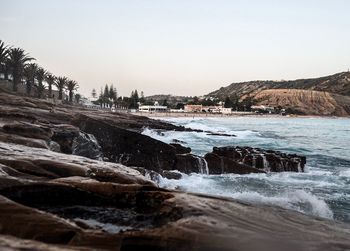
(108, 227)
(298, 200)
(323, 190)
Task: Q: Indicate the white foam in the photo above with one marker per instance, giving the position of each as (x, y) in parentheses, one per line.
(344, 173)
(110, 228)
(298, 200)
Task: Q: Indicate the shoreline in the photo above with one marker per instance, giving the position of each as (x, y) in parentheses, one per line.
(232, 115)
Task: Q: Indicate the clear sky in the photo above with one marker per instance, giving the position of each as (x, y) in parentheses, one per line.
(182, 47)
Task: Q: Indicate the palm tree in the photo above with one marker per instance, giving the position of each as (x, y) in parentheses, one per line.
(72, 86)
(61, 83)
(3, 57)
(50, 80)
(29, 74)
(40, 77)
(17, 59)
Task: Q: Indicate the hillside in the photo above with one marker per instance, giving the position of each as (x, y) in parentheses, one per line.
(306, 101)
(338, 83)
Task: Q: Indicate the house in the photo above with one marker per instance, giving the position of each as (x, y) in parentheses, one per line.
(212, 109)
(153, 108)
(262, 109)
(224, 110)
(193, 108)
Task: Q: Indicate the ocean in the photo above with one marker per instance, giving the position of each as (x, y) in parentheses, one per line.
(323, 190)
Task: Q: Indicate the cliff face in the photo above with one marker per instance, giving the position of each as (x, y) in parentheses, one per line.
(306, 101)
(317, 96)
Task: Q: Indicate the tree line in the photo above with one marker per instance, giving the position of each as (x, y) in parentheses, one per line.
(234, 102)
(18, 64)
(109, 98)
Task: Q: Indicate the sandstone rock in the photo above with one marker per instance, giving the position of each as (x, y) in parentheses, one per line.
(28, 130)
(51, 165)
(13, 138)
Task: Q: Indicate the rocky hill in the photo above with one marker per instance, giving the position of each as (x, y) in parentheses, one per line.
(328, 95)
(305, 101)
(338, 83)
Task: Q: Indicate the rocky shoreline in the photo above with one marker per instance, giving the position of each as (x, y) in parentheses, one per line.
(78, 179)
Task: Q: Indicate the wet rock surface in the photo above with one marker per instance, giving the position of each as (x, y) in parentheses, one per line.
(220, 164)
(265, 160)
(50, 200)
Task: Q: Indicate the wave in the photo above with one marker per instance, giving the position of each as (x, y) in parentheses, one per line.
(298, 200)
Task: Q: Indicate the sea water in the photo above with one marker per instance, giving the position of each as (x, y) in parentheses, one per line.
(323, 190)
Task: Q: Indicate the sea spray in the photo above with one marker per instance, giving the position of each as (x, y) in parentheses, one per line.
(324, 141)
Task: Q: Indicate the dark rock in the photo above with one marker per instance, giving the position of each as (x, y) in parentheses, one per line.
(172, 175)
(267, 160)
(221, 164)
(128, 147)
(189, 163)
(64, 135)
(54, 146)
(86, 145)
(178, 141)
(181, 149)
(221, 134)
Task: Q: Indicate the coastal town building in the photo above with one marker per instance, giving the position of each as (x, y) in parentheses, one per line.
(153, 108)
(193, 108)
(262, 108)
(224, 110)
(212, 109)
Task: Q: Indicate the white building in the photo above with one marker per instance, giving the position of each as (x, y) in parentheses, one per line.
(153, 108)
(224, 110)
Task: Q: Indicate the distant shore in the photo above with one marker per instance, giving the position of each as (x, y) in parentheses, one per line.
(202, 115)
(232, 115)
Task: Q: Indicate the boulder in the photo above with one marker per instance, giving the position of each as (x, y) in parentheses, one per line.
(86, 145)
(173, 175)
(64, 135)
(128, 147)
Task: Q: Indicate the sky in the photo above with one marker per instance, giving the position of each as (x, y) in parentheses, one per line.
(180, 47)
